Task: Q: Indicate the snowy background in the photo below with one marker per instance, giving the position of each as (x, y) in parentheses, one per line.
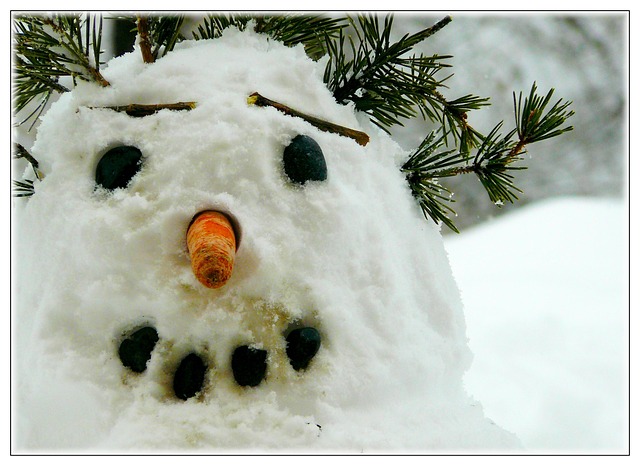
(582, 56)
(545, 286)
(545, 282)
(547, 322)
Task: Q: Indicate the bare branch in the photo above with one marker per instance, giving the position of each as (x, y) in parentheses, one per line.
(360, 137)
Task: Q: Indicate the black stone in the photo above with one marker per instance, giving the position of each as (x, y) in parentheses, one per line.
(304, 161)
(302, 346)
(135, 351)
(117, 166)
(189, 377)
(249, 365)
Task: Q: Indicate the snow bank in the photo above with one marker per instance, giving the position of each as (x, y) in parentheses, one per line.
(351, 256)
(545, 295)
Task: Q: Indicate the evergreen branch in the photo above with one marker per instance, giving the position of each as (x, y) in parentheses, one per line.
(164, 33)
(260, 101)
(531, 122)
(433, 198)
(96, 41)
(23, 188)
(454, 119)
(426, 160)
(291, 29)
(145, 45)
(391, 87)
(379, 78)
(22, 153)
(309, 30)
(493, 163)
(35, 114)
(158, 34)
(31, 83)
(366, 68)
(422, 170)
(213, 26)
(49, 48)
(68, 29)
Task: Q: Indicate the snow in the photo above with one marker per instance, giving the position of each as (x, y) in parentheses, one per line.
(545, 293)
(352, 256)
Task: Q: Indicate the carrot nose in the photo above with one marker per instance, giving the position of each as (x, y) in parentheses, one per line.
(211, 242)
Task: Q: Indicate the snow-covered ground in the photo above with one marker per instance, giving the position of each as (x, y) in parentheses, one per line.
(545, 292)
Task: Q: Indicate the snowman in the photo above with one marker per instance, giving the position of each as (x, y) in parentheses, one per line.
(224, 276)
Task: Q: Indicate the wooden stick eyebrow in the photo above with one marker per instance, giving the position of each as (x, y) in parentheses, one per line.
(143, 110)
(261, 101)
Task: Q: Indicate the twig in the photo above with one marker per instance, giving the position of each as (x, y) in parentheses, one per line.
(360, 137)
(142, 110)
(145, 44)
(436, 27)
(22, 153)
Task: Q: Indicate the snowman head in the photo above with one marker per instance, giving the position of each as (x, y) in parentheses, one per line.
(230, 276)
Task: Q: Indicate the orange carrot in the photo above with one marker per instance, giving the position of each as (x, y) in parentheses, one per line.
(212, 246)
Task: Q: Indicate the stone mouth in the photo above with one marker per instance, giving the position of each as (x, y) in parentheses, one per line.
(284, 351)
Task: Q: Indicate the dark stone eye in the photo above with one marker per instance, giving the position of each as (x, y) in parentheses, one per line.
(249, 365)
(189, 377)
(302, 346)
(304, 161)
(117, 166)
(135, 351)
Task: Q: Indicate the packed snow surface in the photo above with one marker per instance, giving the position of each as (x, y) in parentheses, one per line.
(351, 256)
(545, 293)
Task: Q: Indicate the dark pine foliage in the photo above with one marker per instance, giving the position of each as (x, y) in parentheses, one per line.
(382, 77)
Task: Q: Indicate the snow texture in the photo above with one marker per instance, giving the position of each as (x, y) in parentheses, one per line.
(351, 256)
(548, 323)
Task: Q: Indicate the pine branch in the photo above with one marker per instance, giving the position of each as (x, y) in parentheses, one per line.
(69, 30)
(389, 86)
(422, 170)
(213, 26)
(25, 187)
(49, 48)
(290, 29)
(96, 40)
(30, 84)
(145, 45)
(454, 119)
(493, 163)
(379, 78)
(157, 34)
(164, 33)
(531, 122)
(22, 153)
(309, 30)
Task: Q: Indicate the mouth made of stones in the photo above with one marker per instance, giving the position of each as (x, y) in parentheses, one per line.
(248, 362)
